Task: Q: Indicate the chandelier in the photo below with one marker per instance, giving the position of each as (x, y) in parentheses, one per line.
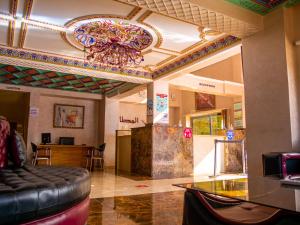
(114, 43)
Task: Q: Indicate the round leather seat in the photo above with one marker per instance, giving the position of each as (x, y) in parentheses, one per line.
(33, 192)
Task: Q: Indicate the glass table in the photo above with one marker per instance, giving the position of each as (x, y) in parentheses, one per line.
(261, 200)
(261, 190)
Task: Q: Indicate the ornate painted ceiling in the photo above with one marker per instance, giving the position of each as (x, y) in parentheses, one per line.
(18, 75)
(263, 7)
(40, 34)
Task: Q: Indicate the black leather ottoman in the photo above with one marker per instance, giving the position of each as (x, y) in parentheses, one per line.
(30, 193)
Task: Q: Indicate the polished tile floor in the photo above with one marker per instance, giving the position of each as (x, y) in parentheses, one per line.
(107, 184)
(146, 209)
(132, 200)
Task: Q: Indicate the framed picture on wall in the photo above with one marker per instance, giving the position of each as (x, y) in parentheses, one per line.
(68, 116)
(205, 101)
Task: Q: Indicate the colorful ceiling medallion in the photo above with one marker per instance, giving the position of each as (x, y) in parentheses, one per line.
(113, 42)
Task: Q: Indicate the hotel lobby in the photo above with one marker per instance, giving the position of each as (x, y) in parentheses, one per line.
(150, 112)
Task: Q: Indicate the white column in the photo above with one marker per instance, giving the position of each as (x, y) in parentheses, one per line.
(158, 102)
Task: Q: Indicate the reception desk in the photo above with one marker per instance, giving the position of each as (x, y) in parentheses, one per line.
(68, 155)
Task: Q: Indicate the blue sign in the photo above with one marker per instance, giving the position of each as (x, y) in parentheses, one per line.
(230, 135)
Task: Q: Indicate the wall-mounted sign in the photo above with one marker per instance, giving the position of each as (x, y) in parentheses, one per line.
(161, 103)
(187, 132)
(33, 111)
(230, 135)
(135, 120)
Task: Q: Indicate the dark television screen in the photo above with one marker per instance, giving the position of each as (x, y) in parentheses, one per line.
(293, 166)
(66, 140)
(46, 138)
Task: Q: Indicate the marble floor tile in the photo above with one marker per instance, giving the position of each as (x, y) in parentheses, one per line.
(107, 184)
(145, 209)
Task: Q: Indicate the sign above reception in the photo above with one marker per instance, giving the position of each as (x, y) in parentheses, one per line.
(208, 85)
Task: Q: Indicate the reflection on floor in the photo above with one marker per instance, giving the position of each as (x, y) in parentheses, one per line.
(107, 184)
(131, 200)
(147, 209)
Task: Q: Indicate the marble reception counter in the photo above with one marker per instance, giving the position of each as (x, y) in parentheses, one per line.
(161, 151)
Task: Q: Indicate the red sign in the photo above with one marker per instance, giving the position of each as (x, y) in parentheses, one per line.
(187, 133)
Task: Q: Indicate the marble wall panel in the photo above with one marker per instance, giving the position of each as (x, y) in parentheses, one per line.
(141, 150)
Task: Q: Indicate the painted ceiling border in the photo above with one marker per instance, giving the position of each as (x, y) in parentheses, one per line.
(60, 64)
(126, 74)
(195, 56)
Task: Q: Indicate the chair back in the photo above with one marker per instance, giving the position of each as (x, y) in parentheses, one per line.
(102, 147)
(34, 147)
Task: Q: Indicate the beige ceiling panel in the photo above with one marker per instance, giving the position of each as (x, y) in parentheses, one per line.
(154, 58)
(61, 11)
(50, 41)
(176, 35)
(3, 32)
(4, 6)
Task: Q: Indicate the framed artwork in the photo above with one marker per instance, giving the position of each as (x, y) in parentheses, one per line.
(68, 116)
(205, 101)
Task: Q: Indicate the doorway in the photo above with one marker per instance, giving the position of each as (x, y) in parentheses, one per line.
(14, 106)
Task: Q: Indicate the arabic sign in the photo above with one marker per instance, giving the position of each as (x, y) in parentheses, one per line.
(122, 120)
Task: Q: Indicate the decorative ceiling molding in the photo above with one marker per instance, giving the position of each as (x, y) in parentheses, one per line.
(141, 20)
(147, 14)
(132, 14)
(11, 26)
(27, 12)
(195, 56)
(192, 12)
(62, 64)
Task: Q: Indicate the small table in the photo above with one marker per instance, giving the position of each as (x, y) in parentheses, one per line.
(264, 192)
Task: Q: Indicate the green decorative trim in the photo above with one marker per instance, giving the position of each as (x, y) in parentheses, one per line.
(263, 7)
(292, 3)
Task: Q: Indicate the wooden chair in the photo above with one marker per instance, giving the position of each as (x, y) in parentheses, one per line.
(37, 155)
(98, 155)
(88, 157)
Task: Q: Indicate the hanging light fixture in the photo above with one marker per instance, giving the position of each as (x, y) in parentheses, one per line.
(114, 43)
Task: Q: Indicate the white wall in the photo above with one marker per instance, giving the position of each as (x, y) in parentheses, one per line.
(113, 110)
(88, 135)
(111, 125)
(204, 153)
